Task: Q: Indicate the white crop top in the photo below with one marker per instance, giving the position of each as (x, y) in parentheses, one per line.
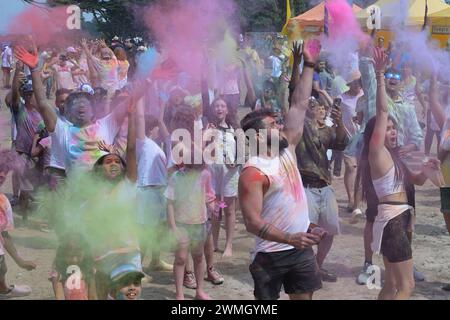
(386, 185)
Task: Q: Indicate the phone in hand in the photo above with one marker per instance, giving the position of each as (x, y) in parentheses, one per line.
(337, 104)
(43, 134)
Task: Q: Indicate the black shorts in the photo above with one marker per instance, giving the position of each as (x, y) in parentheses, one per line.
(395, 244)
(295, 269)
(3, 267)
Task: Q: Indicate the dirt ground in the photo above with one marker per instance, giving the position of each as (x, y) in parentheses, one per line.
(431, 250)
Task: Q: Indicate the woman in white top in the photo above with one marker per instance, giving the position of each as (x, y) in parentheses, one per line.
(387, 175)
(225, 173)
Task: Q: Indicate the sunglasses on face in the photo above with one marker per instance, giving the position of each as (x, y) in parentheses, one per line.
(395, 76)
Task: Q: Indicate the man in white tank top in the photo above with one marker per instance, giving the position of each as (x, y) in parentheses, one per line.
(273, 201)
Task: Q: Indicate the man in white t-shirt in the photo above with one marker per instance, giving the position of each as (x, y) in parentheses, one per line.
(348, 110)
(274, 203)
(6, 66)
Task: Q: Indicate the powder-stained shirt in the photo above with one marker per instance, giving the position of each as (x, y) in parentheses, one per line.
(190, 190)
(6, 219)
(311, 152)
(124, 65)
(107, 72)
(28, 123)
(80, 145)
(284, 204)
(64, 78)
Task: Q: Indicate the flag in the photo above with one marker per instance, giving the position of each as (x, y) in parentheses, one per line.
(325, 19)
(425, 19)
(288, 16)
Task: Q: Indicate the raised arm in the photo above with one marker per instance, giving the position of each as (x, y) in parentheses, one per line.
(93, 74)
(436, 106)
(44, 108)
(295, 77)
(140, 119)
(138, 91)
(300, 98)
(369, 84)
(131, 143)
(164, 132)
(15, 91)
(250, 98)
(379, 133)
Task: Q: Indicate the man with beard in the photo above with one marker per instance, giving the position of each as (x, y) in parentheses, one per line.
(313, 164)
(273, 201)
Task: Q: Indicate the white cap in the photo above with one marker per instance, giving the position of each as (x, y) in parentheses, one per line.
(71, 50)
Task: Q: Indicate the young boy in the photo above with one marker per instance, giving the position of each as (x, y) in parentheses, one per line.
(126, 282)
(7, 159)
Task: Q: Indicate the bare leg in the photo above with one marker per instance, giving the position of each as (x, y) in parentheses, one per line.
(3, 286)
(438, 138)
(15, 184)
(447, 221)
(323, 248)
(368, 236)
(404, 278)
(215, 229)
(301, 296)
(209, 251)
(199, 270)
(230, 223)
(389, 289)
(181, 256)
(8, 79)
(349, 182)
(428, 141)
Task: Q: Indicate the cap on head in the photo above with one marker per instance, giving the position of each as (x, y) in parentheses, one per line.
(71, 50)
(124, 270)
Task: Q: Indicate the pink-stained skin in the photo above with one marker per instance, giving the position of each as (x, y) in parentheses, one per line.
(313, 46)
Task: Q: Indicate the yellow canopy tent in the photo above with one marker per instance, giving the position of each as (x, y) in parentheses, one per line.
(391, 12)
(415, 15)
(441, 18)
(440, 26)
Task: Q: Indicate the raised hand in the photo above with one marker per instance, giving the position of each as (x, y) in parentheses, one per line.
(311, 50)
(381, 59)
(432, 170)
(297, 51)
(103, 146)
(102, 43)
(30, 59)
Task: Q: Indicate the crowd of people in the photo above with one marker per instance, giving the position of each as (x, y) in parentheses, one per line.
(81, 111)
